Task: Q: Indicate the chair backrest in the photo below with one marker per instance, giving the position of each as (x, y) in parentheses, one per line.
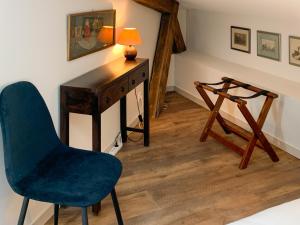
(27, 129)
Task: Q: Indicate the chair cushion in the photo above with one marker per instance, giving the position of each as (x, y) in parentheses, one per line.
(285, 214)
(72, 177)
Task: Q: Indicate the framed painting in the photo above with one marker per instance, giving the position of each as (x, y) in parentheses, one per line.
(294, 50)
(269, 45)
(90, 32)
(241, 39)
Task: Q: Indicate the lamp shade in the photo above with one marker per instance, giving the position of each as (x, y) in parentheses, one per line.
(106, 35)
(130, 36)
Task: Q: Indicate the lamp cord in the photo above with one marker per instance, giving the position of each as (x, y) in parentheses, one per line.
(140, 118)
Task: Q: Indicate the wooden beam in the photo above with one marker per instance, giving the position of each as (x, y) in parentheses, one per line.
(241, 132)
(226, 142)
(167, 6)
(163, 6)
(176, 39)
(179, 44)
(161, 63)
(170, 40)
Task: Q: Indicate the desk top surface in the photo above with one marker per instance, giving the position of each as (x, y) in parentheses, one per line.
(100, 76)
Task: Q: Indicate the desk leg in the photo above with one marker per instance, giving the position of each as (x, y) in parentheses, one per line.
(96, 148)
(146, 114)
(96, 133)
(123, 119)
(64, 127)
(64, 119)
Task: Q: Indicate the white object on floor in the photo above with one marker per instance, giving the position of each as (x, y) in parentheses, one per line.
(285, 214)
(114, 150)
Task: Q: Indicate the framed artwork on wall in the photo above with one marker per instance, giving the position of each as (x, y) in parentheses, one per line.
(294, 50)
(241, 39)
(269, 45)
(90, 32)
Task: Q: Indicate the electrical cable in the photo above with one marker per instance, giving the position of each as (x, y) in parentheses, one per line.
(140, 118)
(116, 140)
(137, 102)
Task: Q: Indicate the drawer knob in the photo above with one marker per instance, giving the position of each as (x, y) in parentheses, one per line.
(122, 89)
(144, 74)
(133, 82)
(107, 100)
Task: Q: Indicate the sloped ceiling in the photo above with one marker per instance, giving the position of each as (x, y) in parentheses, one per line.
(275, 8)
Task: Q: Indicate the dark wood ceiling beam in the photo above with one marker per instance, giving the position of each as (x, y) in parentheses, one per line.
(163, 6)
(170, 39)
(161, 64)
(179, 43)
(164, 76)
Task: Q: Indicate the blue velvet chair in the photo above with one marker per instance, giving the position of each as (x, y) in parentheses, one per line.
(39, 167)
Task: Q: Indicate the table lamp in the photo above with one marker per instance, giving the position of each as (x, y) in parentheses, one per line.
(106, 35)
(130, 37)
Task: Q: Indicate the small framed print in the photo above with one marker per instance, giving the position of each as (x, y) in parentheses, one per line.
(294, 50)
(241, 39)
(269, 45)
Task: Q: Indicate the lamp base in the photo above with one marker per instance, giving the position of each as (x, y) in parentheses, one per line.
(130, 53)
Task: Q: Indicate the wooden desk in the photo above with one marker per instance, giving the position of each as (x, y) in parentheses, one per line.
(97, 90)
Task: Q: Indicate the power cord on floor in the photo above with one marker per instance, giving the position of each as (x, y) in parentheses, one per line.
(116, 140)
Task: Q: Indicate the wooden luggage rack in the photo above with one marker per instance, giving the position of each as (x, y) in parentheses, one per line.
(256, 126)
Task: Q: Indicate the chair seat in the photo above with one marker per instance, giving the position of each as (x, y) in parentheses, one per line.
(72, 177)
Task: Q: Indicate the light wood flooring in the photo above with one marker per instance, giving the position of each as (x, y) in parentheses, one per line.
(179, 180)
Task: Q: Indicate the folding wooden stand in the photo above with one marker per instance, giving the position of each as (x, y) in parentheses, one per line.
(256, 126)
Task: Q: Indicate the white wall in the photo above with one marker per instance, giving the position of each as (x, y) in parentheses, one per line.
(210, 34)
(210, 58)
(256, 8)
(33, 48)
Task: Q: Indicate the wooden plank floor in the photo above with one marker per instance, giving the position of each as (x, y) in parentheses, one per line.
(179, 180)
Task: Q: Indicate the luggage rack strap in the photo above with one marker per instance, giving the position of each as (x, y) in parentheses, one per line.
(252, 88)
(237, 84)
(264, 92)
(234, 87)
(225, 80)
(221, 93)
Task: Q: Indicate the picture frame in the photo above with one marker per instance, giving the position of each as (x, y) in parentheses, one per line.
(90, 32)
(269, 45)
(294, 50)
(241, 39)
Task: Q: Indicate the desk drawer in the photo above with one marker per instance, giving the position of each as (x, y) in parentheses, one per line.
(79, 102)
(113, 94)
(137, 77)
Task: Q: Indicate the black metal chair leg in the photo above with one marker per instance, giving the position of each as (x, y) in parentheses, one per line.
(116, 206)
(23, 211)
(84, 216)
(56, 213)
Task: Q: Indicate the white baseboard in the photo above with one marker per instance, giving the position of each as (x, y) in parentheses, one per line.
(133, 123)
(170, 88)
(273, 140)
